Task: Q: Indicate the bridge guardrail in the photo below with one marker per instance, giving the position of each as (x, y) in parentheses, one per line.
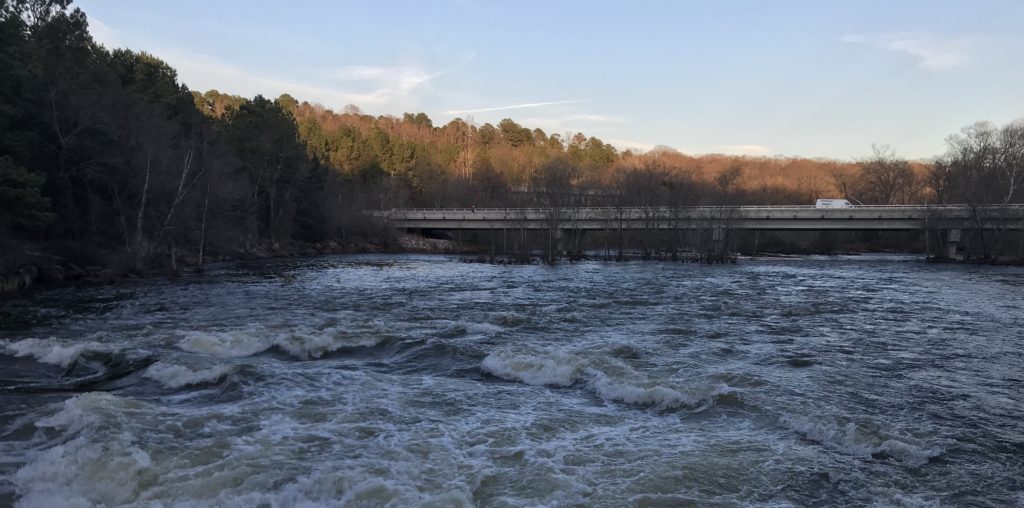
(753, 207)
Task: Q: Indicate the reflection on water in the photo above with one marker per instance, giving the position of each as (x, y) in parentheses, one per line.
(421, 380)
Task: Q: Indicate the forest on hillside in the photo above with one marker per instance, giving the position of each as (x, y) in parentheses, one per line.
(106, 158)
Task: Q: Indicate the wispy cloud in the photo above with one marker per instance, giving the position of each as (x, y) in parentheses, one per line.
(933, 52)
(386, 82)
(103, 34)
(387, 88)
(465, 61)
(514, 106)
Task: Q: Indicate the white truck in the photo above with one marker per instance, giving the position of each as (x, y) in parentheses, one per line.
(832, 203)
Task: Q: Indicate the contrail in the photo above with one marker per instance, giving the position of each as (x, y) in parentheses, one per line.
(516, 106)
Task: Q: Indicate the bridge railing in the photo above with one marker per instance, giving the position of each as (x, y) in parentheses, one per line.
(1014, 206)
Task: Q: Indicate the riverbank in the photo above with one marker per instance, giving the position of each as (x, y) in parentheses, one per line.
(34, 267)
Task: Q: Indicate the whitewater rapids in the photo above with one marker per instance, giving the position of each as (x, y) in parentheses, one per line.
(425, 381)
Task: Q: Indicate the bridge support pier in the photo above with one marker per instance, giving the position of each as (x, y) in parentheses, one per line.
(559, 242)
(952, 243)
(555, 244)
(716, 248)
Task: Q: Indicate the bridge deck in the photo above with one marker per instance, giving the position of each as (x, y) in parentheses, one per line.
(797, 217)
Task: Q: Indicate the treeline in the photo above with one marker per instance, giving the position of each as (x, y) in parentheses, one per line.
(105, 152)
(462, 164)
(105, 155)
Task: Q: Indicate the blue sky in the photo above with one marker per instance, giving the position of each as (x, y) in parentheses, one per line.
(811, 78)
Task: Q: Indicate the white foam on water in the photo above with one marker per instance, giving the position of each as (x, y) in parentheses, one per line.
(852, 439)
(307, 344)
(553, 369)
(383, 492)
(661, 397)
(74, 415)
(361, 449)
(230, 344)
(610, 381)
(175, 376)
(330, 489)
(83, 471)
(890, 498)
(50, 351)
(301, 342)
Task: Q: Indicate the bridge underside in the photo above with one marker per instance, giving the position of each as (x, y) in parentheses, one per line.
(760, 225)
(869, 218)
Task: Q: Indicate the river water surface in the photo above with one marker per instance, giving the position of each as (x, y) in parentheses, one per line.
(422, 380)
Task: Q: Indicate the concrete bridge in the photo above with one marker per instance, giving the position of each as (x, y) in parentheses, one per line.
(777, 218)
(951, 220)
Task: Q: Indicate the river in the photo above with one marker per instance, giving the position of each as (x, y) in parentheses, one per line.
(424, 381)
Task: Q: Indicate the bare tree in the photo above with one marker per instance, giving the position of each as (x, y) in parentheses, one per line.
(553, 182)
(1010, 162)
(887, 179)
(985, 164)
(939, 181)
